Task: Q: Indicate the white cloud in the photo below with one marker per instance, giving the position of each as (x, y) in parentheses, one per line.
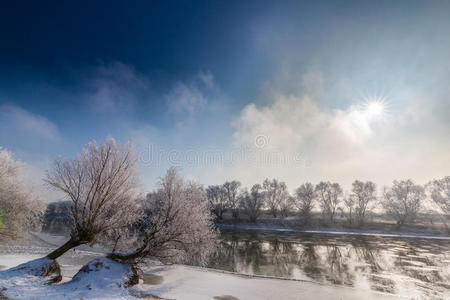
(116, 87)
(340, 145)
(185, 99)
(16, 119)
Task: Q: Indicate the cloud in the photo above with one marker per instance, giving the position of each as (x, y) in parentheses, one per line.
(116, 87)
(189, 98)
(302, 142)
(23, 122)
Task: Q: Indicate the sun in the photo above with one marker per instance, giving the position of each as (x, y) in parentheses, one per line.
(374, 107)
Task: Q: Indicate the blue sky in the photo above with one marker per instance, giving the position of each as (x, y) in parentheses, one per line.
(232, 89)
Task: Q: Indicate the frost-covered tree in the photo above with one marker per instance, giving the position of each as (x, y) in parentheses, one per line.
(217, 198)
(304, 201)
(403, 201)
(253, 202)
(329, 196)
(177, 225)
(275, 193)
(19, 207)
(101, 183)
(440, 194)
(231, 189)
(363, 196)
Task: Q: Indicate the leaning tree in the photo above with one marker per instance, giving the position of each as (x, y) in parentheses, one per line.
(177, 225)
(101, 184)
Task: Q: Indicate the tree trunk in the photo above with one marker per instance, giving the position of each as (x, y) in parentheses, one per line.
(64, 248)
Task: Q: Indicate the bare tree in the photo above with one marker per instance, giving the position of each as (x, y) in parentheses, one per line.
(217, 198)
(304, 201)
(349, 202)
(440, 194)
(253, 202)
(363, 195)
(231, 192)
(329, 196)
(177, 225)
(19, 208)
(274, 193)
(101, 183)
(403, 201)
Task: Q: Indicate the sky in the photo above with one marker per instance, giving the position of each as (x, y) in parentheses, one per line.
(246, 90)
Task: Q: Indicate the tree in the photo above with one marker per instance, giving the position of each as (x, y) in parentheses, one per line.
(252, 202)
(304, 201)
(18, 206)
(101, 183)
(440, 194)
(329, 196)
(363, 194)
(274, 193)
(217, 198)
(403, 201)
(232, 193)
(177, 225)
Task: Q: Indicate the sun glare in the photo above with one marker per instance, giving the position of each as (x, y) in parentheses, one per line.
(374, 108)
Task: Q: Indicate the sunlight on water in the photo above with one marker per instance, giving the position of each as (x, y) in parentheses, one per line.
(408, 267)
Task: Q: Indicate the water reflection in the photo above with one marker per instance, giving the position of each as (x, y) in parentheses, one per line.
(411, 267)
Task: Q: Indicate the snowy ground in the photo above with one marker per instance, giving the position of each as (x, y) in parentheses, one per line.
(183, 282)
(172, 282)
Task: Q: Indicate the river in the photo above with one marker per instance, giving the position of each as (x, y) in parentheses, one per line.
(411, 267)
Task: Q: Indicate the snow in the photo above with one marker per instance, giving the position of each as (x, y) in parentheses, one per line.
(184, 282)
(106, 281)
(101, 279)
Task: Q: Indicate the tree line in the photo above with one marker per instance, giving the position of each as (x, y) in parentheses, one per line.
(403, 201)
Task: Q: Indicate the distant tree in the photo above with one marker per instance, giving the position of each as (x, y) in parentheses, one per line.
(440, 194)
(363, 195)
(253, 202)
(177, 225)
(286, 204)
(403, 201)
(19, 207)
(101, 183)
(57, 217)
(218, 201)
(329, 196)
(349, 203)
(304, 201)
(232, 194)
(275, 193)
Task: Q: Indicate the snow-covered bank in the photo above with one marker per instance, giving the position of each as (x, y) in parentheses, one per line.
(262, 227)
(106, 281)
(100, 279)
(183, 282)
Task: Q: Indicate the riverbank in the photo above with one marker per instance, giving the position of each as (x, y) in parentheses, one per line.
(338, 231)
(185, 282)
